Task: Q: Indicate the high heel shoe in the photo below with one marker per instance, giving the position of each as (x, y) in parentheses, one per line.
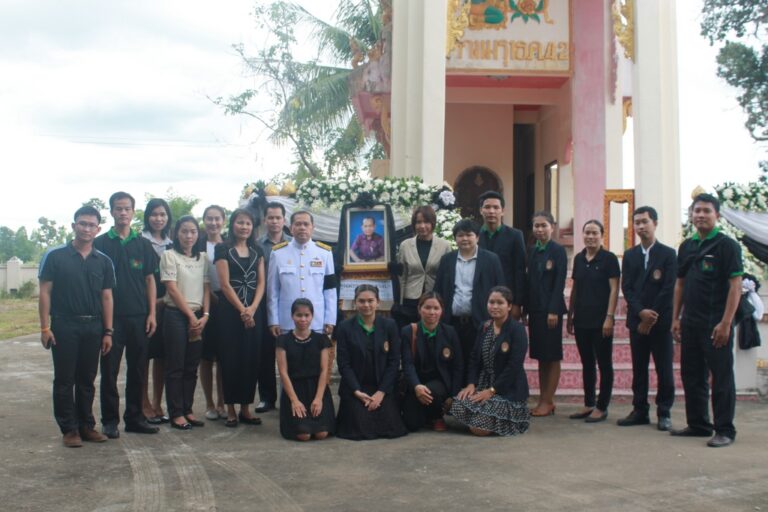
(550, 412)
(597, 419)
(580, 415)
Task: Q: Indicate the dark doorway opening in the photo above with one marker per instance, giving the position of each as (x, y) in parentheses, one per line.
(524, 172)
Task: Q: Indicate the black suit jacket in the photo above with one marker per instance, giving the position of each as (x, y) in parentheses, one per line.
(509, 349)
(488, 273)
(350, 354)
(652, 288)
(449, 358)
(508, 244)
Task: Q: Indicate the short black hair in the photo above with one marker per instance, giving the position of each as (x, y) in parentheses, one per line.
(707, 198)
(491, 194)
(303, 212)
(177, 228)
(367, 288)
(650, 210)
(545, 214)
(121, 195)
(596, 223)
(153, 204)
(466, 225)
(231, 238)
(273, 205)
(505, 292)
(87, 210)
(302, 302)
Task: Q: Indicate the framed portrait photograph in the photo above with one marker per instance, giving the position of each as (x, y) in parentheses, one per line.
(368, 239)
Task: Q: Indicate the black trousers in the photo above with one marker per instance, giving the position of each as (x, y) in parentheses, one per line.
(75, 363)
(467, 332)
(594, 348)
(415, 414)
(130, 336)
(698, 359)
(182, 358)
(266, 377)
(239, 351)
(658, 343)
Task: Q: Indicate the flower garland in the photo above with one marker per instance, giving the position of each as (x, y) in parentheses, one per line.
(403, 194)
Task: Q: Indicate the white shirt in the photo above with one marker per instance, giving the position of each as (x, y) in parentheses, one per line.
(646, 254)
(465, 277)
(212, 274)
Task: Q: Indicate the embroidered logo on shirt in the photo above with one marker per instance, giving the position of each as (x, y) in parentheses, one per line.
(707, 265)
(505, 347)
(550, 264)
(386, 346)
(446, 353)
(316, 263)
(136, 264)
(657, 274)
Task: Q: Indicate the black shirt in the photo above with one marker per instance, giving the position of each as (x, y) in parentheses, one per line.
(304, 357)
(134, 259)
(508, 244)
(593, 289)
(547, 270)
(243, 270)
(423, 247)
(707, 266)
(77, 281)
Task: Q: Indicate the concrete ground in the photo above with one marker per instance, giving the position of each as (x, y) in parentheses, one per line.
(560, 464)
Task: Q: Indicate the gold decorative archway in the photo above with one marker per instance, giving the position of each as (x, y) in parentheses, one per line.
(620, 196)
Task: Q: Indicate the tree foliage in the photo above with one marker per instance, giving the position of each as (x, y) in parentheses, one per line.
(180, 206)
(308, 105)
(740, 25)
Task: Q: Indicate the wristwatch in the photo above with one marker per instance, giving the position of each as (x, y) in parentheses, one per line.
(108, 332)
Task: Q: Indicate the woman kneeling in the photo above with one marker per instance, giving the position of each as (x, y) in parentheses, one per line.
(495, 399)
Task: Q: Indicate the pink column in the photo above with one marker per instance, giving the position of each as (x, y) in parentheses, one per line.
(589, 98)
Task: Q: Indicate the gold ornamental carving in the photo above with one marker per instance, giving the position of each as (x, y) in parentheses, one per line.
(620, 196)
(626, 111)
(623, 13)
(458, 20)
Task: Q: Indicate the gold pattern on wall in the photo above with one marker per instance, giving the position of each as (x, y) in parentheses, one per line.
(620, 196)
(458, 20)
(624, 25)
(626, 111)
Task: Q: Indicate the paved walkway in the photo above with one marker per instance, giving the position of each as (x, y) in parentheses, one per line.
(558, 465)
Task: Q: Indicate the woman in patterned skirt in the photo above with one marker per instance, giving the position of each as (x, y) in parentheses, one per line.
(495, 400)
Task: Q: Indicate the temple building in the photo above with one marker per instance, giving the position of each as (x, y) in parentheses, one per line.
(531, 98)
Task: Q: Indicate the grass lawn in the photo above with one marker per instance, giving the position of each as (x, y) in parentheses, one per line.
(18, 317)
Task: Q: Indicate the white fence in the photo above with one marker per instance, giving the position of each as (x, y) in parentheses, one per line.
(15, 273)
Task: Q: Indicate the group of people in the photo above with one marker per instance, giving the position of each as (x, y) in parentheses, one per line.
(455, 343)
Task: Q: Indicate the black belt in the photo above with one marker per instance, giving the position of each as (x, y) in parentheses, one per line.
(78, 318)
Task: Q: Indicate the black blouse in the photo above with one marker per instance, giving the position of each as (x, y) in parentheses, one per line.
(593, 289)
(243, 270)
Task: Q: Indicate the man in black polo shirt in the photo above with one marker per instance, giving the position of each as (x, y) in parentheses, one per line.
(707, 294)
(135, 262)
(649, 271)
(507, 243)
(75, 307)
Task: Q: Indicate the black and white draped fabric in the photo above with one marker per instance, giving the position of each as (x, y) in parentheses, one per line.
(755, 228)
(245, 286)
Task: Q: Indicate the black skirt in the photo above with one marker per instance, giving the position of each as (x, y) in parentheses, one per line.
(355, 422)
(545, 344)
(291, 426)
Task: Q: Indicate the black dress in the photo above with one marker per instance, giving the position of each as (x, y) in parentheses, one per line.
(304, 359)
(368, 361)
(239, 347)
(545, 280)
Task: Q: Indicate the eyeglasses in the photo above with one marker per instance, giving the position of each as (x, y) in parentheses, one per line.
(87, 225)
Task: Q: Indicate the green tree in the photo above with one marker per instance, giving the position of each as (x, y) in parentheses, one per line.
(100, 205)
(26, 249)
(7, 243)
(739, 26)
(310, 98)
(49, 234)
(180, 205)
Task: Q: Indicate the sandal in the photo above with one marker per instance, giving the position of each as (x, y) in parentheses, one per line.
(250, 420)
(535, 412)
(231, 423)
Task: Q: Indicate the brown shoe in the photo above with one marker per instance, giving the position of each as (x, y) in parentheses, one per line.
(90, 435)
(72, 440)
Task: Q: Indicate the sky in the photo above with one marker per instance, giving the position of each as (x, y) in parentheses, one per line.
(102, 96)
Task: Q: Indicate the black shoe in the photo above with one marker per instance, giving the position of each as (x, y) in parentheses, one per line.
(110, 431)
(664, 424)
(141, 427)
(249, 421)
(634, 418)
(719, 440)
(690, 432)
(196, 422)
(580, 415)
(183, 426)
(154, 420)
(598, 419)
(264, 407)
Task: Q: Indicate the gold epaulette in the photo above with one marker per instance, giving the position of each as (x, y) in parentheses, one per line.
(279, 246)
(323, 246)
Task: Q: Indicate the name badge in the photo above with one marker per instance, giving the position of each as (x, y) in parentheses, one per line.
(549, 265)
(447, 353)
(657, 274)
(386, 346)
(505, 347)
(316, 263)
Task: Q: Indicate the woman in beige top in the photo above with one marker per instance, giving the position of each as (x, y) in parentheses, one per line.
(184, 272)
(419, 257)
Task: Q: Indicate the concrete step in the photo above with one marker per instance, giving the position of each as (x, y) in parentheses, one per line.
(571, 378)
